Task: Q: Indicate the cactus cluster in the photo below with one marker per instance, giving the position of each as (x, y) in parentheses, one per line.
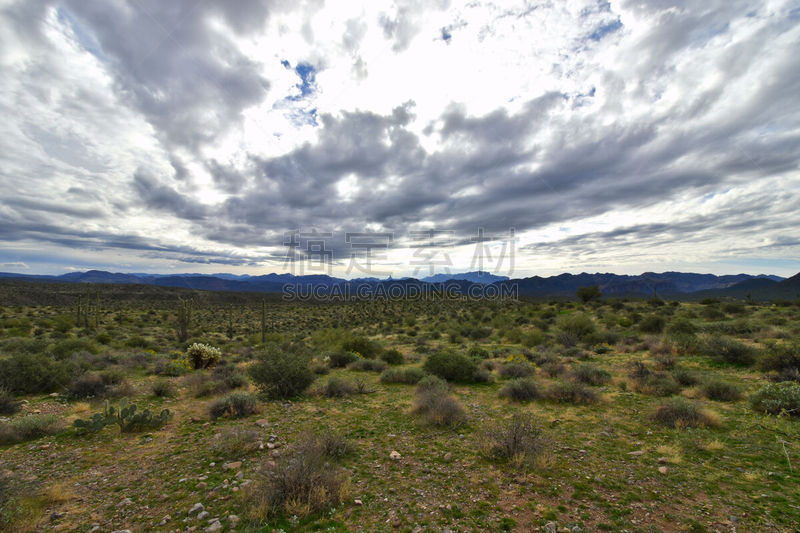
(126, 417)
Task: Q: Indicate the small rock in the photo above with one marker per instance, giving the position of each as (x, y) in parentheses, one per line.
(551, 527)
(122, 531)
(270, 445)
(637, 453)
(196, 508)
(202, 485)
(94, 529)
(239, 475)
(276, 453)
(662, 469)
(576, 529)
(262, 423)
(212, 464)
(235, 465)
(448, 456)
(663, 460)
(202, 515)
(55, 516)
(395, 455)
(125, 502)
(37, 411)
(54, 395)
(233, 519)
(214, 526)
(273, 438)
(358, 502)
(165, 520)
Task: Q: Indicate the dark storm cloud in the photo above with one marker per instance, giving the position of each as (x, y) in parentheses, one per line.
(189, 79)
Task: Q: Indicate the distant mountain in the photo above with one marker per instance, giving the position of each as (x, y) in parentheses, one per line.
(665, 284)
(477, 276)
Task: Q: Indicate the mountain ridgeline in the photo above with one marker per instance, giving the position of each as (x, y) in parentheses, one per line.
(676, 285)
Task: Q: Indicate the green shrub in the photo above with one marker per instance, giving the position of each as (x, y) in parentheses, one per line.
(29, 427)
(408, 376)
(280, 373)
(685, 377)
(32, 373)
(681, 413)
(652, 324)
(8, 403)
(478, 352)
(451, 366)
(590, 375)
(432, 384)
(341, 359)
(565, 392)
(727, 350)
(363, 346)
(681, 326)
(234, 405)
(516, 370)
(392, 357)
(579, 325)
(236, 442)
(368, 365)
(164, 388)
(66, 347)
(781, 357)
(722, 391)
(300, 483)
(90, 385)
(521, 390)
(777, 398)
(439, 409)
(337, 387)
(657, 384)
(519, 440)
(202, 355)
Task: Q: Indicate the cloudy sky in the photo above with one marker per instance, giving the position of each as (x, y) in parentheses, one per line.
(191, 136)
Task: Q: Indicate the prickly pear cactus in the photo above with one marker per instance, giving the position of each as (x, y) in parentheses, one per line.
(127, 418)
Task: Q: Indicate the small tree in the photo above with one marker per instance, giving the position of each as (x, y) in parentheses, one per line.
(587, 294)
(281, 373)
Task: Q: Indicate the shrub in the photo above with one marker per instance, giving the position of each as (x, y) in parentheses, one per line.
(280, 373)
(368, 365)
(565, 392)
(319, 368)
(516, 370)
(163, 388)
(788, 374)
(236, 442)
(590, 375)
(332, 444)
(338, 388)
(519, 440)
(393, 357)
(781, 357)
(722, 391)
(553, 368)
(521, 390)
(66, 347)
(727, 350)
(681, 413)
(432, 384)
(652, 324)
(478, 352)
(777, 398)
(89, 385)
(32, 373)
(408, 376)
(364, 346)
(657, 384)
(685, 377)
(341, 359)
(533, 338)
(681, 326)
(8, 403)
(234, 405)
(202, 355)
(300, 483)
(579, 325)
(440, 409)
(29, 427)
(451, 366)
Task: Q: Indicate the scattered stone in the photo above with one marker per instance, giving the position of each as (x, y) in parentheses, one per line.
(273, 438)
(55, 516)
(233, 519)
(551, 527)
(448, 456)
(212, 464)
(262, 423)
(122, 531)
(663, 460)
(235, 465)
(37, 411)
(270, 445)
(662, 469)
(395, 455)
(202, 515)
(214, 526)
(196, 508)
(576, 529)
(637, 453)
(239, 475)
(124, 503)
(165, 520)
(276, 453)
(202, 485)
(358, 502)
(94, 529)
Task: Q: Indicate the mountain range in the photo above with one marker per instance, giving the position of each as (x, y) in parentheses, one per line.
(666, 284)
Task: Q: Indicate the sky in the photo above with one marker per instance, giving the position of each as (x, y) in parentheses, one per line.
(400, 138)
